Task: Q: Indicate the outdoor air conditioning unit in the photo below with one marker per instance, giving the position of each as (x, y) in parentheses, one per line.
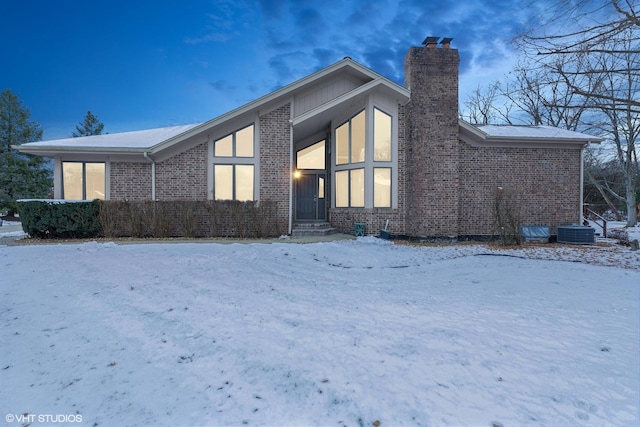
(576, 234)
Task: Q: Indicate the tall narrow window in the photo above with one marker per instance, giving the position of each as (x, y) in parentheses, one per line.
(351, 140)
(381, 136)
(382, 187)
(356, 197)
(223, 181)
(244, 142)
(244, 182)
(342, 144)
(73, 181)
(233, 169)
(83, 181)
(358, 138)
(342, 189)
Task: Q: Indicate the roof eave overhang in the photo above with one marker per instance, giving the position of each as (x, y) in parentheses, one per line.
(478, 138)
(52, 151)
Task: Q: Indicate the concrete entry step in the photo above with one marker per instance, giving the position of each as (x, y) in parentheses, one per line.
(312, 229)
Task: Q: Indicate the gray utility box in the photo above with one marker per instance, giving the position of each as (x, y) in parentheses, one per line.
(576, 234)
(535, 233)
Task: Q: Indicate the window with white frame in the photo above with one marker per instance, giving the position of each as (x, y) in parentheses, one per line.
(350, 156)
(233, 168)
(362, 158)
(83, 180)
(382, 159)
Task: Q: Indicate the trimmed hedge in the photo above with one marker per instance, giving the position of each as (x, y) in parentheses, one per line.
(60, 219)
(65, 219)
(189, 218)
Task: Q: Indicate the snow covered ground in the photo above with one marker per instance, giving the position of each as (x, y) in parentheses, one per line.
(354, 332)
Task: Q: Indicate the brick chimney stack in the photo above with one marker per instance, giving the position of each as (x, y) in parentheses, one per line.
(431, 73)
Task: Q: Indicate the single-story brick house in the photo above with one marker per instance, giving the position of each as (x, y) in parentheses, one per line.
(342, 145)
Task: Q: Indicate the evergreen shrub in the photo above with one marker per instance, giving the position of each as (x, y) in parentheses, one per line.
(60, 219)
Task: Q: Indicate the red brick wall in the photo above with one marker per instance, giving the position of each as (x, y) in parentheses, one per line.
(432, 142)
(184, 176)
(275, 165)
(547, 180)
(130, 181)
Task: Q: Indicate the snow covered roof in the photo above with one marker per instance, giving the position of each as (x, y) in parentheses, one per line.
(539, 131)
(134, 141)
(522, 135)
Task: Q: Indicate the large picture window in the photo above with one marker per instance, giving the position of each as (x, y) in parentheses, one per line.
(350, 188)
(233, 182)
(233, 169)
(364, 160)
(83, 181)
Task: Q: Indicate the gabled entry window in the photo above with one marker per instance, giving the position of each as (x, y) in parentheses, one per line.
(233, 168)
(312, 157)
(83, 181)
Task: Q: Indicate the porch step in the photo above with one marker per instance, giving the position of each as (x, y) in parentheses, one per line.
(312, 229)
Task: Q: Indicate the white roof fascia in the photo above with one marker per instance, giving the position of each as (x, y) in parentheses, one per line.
(402, 94)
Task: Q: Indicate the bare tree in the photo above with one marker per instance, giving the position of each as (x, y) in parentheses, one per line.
(599, 62)
(481, 105)
(541, 97)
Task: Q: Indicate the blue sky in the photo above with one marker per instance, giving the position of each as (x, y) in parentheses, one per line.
(145, 64)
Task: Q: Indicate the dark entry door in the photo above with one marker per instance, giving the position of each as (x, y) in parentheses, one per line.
(310, 197)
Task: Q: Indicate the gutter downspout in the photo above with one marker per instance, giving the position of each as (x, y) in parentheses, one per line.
(153, 175)
(290, 230)
(582, 185)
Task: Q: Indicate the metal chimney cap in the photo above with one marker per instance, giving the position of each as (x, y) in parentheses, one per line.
(446, 40)
(431, 40)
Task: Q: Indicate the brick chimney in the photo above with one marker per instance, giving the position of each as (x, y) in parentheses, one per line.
(431, 73)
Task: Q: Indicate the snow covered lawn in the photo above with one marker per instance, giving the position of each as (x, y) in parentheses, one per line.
(362, 332)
